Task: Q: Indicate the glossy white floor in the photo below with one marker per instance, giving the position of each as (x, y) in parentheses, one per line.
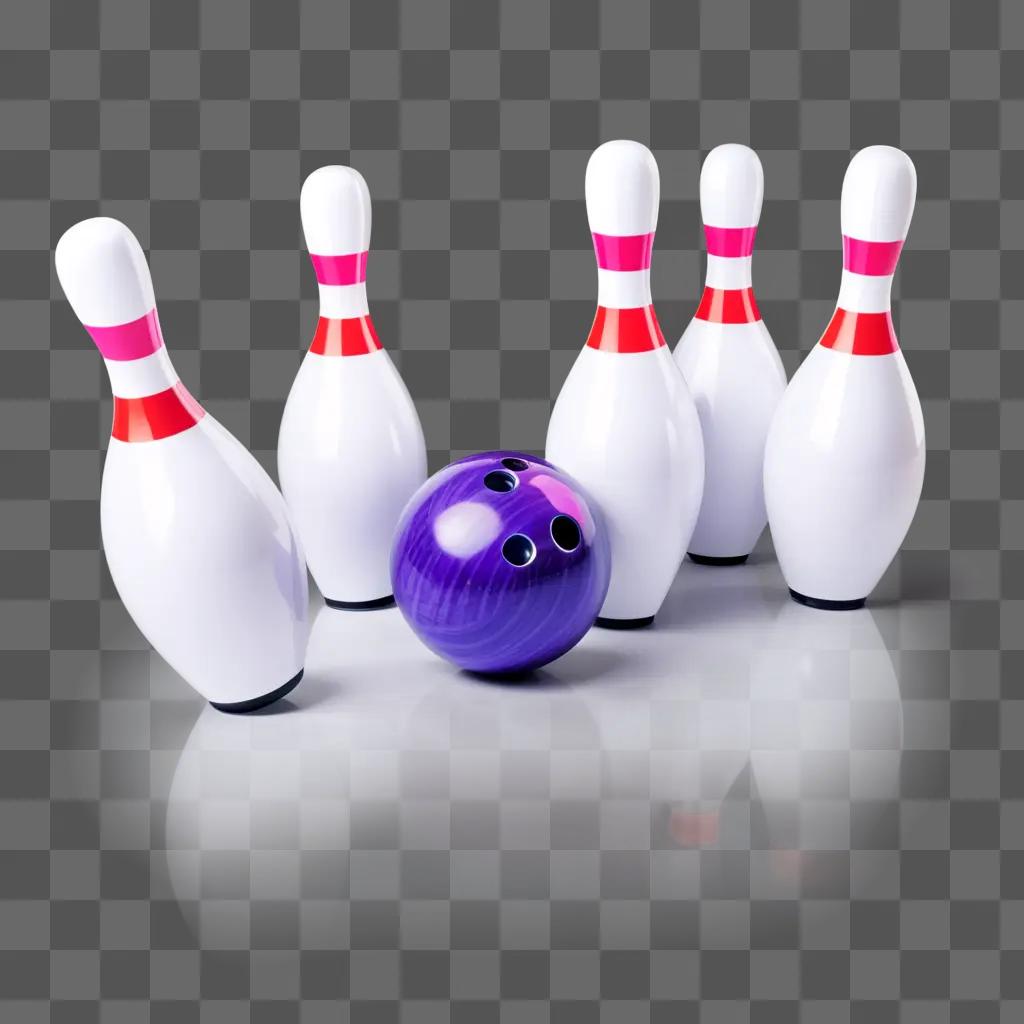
(739, 722)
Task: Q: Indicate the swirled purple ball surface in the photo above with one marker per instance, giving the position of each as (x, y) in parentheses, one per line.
(500, 563)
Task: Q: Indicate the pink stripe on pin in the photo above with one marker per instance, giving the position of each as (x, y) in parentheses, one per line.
(348, 269)
(729, 241)
(132, 340)
(623, 252)
(874, 259)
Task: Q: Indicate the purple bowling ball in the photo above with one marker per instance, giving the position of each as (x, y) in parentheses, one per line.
(500, 562)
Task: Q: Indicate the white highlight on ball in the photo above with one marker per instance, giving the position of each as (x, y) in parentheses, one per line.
(466, 528)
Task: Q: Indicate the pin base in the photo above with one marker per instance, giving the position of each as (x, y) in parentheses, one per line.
(828, 606)
(243, 706)
(716, 559)
(624, 623)
(361, 606)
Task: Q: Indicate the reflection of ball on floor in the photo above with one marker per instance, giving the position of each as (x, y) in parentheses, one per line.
(500, 562)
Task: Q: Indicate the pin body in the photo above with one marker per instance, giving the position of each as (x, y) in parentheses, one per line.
(196, 536)
(730, 363)
(624, 424)
(845, 457)
(351, 450)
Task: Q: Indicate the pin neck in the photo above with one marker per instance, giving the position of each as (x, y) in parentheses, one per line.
(625, 331)
(343, 301)
(150, 402)
(731, 243)
(623, 270)
(728, 306)
(860, 334)
(623, 252)
(864, 293)
(156, 416)
(730, 255)
(135, 357)
(868, 269)
(348, 336)
(729, 272)
(349, 268)
(128, 341)
(623, 290)
(873, 259)
(625, 321)
(862, 322)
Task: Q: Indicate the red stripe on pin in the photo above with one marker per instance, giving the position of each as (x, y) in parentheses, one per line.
(874, 259)
(623, 252)
(732, 242)
(626, 330)
(133, 340)
(860, 334)
(353, 336)
(156, 416)
(728, 306)
(348, 269)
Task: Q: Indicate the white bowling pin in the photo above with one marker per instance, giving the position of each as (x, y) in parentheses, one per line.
(730, 362)
(844, 461)
(196, 535)
(624, 424)
(351, 449)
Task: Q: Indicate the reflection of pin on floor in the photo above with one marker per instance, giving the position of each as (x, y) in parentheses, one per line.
(827, 725)
(701, 779)
(775, 744)
(721, 819)
(383, 750)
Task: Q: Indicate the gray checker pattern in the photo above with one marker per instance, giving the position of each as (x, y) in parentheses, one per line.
(195, 122)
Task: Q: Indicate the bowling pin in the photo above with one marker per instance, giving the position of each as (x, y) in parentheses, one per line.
(844, 461)
(196, 536)
(730, 363)
(351, 449)
(624, 424)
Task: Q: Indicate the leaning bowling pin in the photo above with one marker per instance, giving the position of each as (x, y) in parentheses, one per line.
(844, 461)
(730, 363)
(624, 424)
(351, 449)
(197, 537)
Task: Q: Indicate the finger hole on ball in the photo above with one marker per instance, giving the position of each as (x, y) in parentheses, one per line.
(518, 550)
(499, 480)
(565, 532)
(516, 465)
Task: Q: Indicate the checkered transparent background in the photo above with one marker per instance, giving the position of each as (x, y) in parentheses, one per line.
(195, 122)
